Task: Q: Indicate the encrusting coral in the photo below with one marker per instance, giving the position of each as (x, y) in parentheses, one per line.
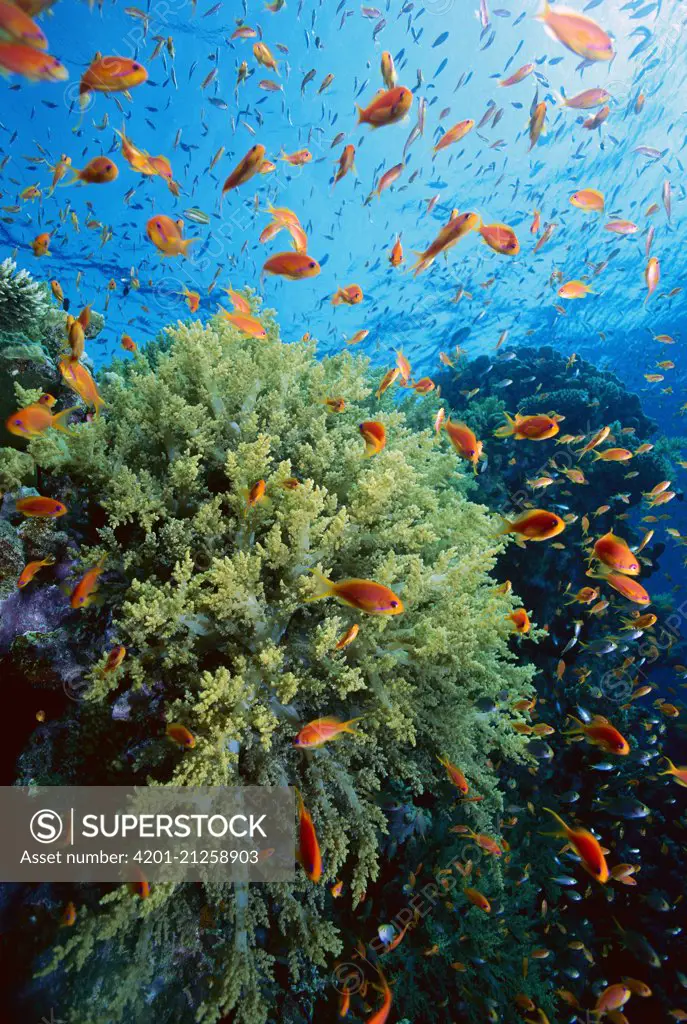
(208, 590)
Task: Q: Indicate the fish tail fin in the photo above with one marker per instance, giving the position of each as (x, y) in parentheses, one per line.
(361, 113)
(323, 586)
(563, 826)
(509, 428)
(336, 299)
(670, 769)
(351, 721)
(75, 176)
(507, 526)
(98, 404)
(577, 731)
(59, 421)
(185, 245)
(543, 14)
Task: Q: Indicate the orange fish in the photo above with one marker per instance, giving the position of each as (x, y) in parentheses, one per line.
(245, 323)
(41, 242)
(181, 735)
(297, 159)
(500, 238)
(640, 621)
(240, 304)
(245, 169)
(263, 55)
(652, 275)
(33, 64)
(308, 847)
(612, 998)
(629, 588)
(387, 380)
(455, 775)
(585, 845)
(20, 28)
(255, 494)
(388, 70)
(346, 163)
(464, 442)
(34, 420)
(348, 637)
(351, 295)
(365, 595)
(82, 594)
(111, 74)
(536, 524)
(76, 338)
(478, 899)
(423, 386)
(387, 108)
(577, 32)
(484, 842)
(601, 733)
(356, 338)
(614, 552)
(128, 343)
(295, 266)
(536, 127)
(374, 436)
(396, 255)
(458, 227)
(38, 507)
(77, 377)
(455, 134)
(530, 428)
(166, 235)
(115, 658)
(97, 171)
(68, 915)
(520, 620)
(139, 886)
(321, 730)
(30, 570)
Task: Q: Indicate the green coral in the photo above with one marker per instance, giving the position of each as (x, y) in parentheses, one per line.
(24, 302)
(16, 469)
(210, 596)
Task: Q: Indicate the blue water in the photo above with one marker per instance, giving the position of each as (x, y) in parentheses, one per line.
(437, 46)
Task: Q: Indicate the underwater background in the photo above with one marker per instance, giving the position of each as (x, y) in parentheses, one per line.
(396, 437)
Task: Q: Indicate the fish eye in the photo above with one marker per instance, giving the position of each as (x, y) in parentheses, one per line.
(312, 265)
(135, 67)
(393, 604)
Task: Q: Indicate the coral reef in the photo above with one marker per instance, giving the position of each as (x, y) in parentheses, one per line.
(209, 593)
(32, 336)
